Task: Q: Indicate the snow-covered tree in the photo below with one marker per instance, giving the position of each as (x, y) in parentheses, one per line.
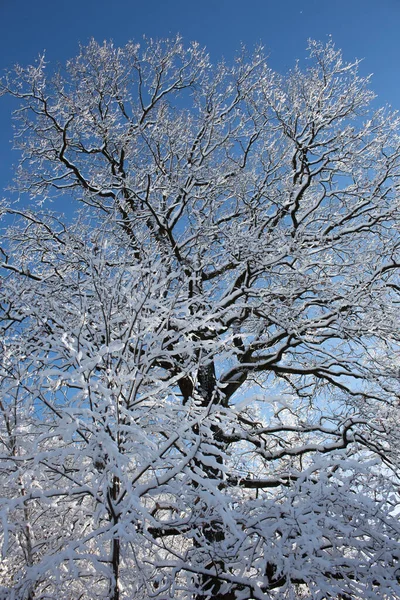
(199, 370)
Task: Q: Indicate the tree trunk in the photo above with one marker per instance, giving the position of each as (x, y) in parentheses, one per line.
(115, 545)
(210, 586)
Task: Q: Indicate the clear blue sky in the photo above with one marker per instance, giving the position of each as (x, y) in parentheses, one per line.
(368, 29)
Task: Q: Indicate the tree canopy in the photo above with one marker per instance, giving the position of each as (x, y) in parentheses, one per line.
(199, 376)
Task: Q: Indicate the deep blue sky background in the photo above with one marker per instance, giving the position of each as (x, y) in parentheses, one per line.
(368, 29)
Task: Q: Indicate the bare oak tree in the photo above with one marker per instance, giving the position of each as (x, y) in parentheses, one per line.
(199, 363)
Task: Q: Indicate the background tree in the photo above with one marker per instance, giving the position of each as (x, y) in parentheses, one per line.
(199, 376)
